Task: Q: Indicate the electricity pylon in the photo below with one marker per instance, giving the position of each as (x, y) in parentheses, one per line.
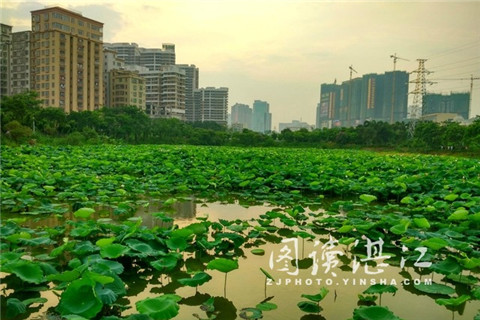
(418, 94)
(395, 58)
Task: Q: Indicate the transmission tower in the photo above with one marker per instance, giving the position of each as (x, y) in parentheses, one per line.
(395, 58)
(418, 94)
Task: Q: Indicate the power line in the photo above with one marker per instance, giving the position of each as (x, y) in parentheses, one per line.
(443, 65)
(457, 67)
(456, 49)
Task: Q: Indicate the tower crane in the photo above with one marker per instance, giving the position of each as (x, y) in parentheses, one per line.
(395, 58)
(350, 94)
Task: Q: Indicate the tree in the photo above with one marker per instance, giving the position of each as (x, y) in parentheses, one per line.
(17, 132)
(20, 107)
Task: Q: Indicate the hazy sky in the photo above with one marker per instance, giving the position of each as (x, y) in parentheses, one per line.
(281, 51)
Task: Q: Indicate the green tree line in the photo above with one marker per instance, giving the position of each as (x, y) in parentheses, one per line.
(23, 120)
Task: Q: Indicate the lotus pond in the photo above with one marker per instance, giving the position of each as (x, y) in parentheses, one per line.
(180, 232)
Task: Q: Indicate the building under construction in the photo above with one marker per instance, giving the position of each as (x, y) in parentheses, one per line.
(453, 103)
(379, 97)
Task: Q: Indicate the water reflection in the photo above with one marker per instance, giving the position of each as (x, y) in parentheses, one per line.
(246, 285)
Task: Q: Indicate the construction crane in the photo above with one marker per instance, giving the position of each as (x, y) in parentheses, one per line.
(350, 93)
(395, 58)
(472, 78)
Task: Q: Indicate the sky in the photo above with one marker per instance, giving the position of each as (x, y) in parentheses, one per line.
(281, 51)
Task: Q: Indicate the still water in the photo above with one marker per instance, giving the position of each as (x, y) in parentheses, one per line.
(246, 287)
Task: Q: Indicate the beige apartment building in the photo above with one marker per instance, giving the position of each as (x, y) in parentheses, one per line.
(127, 88)
(67, 59)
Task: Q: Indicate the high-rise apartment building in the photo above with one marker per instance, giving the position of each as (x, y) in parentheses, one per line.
(379, 97)
(154, 58)
(165, 92)
(329, 105)
(241, 116)
(153, 99)
(128, 52)
(67, 59)
(458, 103)
(127, 88)
(261, 117)
(172, 92)
(111, 61)
(191, 84)
(20, 62)
(5, 49)
(151, 58)
(211, 104)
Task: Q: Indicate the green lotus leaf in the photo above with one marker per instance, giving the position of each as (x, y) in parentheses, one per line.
(166, 263)
(453, 302)
(368, 198)
(84, 212)
(66, 276)
(197, 280)
(100, 278)
(345, 228)
(177, 243)
(434, 288)
(28, 271)
(400, 228)
(367, 298)
(106, 295)
(451, 197)
(268, 275)
(374, 313)
(421, 223)
(160, 308)
(447, 266)
(223, 265)
(380, 288)
(15, 307)
(113, 251)
(258, 252)
(459, 214)
(434, 243)
(469, 280)
(80, 299)
(266, 306)
(251, 313)
(105, 241)
(141, 247)
(309, 307)
(317, 297)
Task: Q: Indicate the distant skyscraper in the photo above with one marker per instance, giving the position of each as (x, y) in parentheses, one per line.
(241, 115)
(371, 97)
(453, 103)
(20, 62)
(67, 59)
(211, 104)
(191, 84)
(5, 50)
(261, 117)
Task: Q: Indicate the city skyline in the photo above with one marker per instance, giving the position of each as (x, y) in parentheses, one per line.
(282, 51)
